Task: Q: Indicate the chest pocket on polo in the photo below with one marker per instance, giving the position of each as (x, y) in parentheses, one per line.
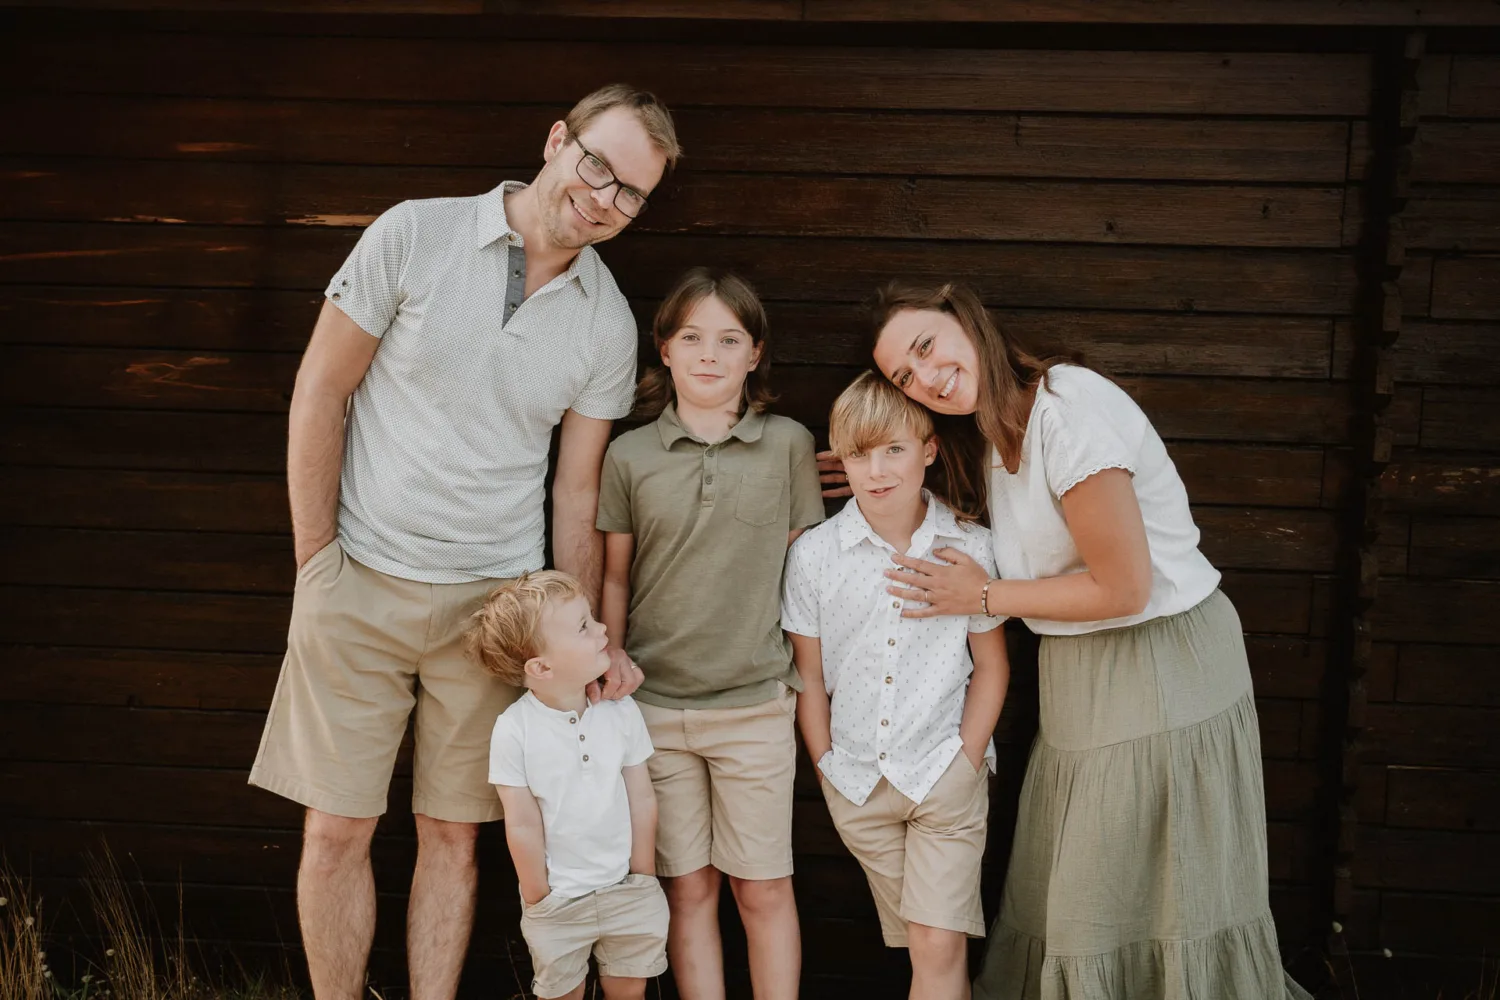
(759, 502)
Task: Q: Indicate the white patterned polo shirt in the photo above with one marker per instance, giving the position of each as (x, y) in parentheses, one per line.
(445, 456)
(897, 685)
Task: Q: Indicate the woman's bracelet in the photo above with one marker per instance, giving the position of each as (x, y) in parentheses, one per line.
(984, 599)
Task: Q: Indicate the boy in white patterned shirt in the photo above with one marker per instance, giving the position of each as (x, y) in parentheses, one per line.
(904, 749)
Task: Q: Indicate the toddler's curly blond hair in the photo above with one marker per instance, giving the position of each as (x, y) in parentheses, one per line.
(502, 634)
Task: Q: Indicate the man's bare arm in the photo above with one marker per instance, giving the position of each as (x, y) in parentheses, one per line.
(335, 362)
(577, 547)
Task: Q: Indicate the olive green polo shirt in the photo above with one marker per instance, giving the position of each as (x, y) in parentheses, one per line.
(710, 523)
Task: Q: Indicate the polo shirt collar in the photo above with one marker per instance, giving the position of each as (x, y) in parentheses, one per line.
(493, 226)
(670, 427)
(939, 522)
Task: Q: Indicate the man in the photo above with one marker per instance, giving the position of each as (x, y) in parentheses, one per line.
(466, 330)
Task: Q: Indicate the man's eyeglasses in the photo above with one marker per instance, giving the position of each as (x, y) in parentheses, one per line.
(596, 174)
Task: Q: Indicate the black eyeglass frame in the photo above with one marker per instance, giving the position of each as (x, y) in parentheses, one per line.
(621, 185)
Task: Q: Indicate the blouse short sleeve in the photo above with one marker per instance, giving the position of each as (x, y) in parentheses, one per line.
(1084, 422)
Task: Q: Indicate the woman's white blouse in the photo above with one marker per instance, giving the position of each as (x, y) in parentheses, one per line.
(1082, 423)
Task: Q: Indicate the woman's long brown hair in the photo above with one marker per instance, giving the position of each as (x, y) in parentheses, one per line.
(1007, 374)
(655, 390)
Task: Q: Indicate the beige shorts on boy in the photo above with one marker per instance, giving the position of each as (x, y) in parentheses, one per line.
(723, 781)
(624, 925)
(922, 861)
(363, 651)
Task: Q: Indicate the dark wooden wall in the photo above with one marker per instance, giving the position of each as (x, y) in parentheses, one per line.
(1186, 205)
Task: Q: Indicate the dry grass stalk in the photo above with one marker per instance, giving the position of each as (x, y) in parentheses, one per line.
(23, 970)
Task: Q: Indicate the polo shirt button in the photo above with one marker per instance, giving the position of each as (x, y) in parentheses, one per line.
(896, 604)
(887, 680)
(890, 642)
(585, 758)
(580, 737)
(882, 756)
(709, 480)
(572, 720)
(883, 722)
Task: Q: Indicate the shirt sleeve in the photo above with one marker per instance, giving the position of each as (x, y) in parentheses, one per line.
(368, 287)
(507, 753)
(1082, 428)
(638, 748)
(610, 392)
(978, 545)
(799, 593)
(807, 492)
(614, 497)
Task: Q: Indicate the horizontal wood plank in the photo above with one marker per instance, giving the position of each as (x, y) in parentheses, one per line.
(1006, 275)
(537, 71)
(182, 501)
(1268, 538)
(1427, 860)
(779, 140)
(237, 623)
(1443, 798)
(1444, 925)
(1457, 483)
(1461, 419)
(95, 190)
(140, 678)
(1434, 735)
(1475, 88)
(148, 560)
(1445, 152)
(1446, 218)
(1450, 353)
(1449, 675)
(1456, 547)
(1461, 611)
(1466, 288)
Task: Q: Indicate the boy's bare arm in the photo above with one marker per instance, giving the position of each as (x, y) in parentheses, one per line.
(813, 714)
(986, 693)
(614, 604)
(528, 843)
(642, 798)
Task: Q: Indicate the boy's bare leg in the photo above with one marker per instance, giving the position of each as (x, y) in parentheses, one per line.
(939, 963)
(576, 993)
(336, 903)
(768, 909)
(621, 988)
(695, 951)
(440, 914)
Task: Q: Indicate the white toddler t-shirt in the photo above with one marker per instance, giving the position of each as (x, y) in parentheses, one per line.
(1082, 423)
(572, 763)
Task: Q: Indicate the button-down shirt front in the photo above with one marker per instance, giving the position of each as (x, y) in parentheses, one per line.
(897, 685)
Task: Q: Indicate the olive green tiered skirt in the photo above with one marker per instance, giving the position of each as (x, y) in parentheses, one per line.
(1139, 866)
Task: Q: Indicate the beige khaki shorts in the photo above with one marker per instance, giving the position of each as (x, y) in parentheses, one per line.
(922, 861)
(363, 651)
(723, 780)
(624, 925)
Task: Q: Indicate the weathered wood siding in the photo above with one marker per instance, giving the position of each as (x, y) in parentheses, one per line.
(1183, 205)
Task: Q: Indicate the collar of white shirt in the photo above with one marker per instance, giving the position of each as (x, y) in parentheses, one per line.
(939, 522)
(494, 226)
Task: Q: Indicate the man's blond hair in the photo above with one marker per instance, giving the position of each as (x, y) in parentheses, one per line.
(502, 634)
(652, 114)
(871, 412)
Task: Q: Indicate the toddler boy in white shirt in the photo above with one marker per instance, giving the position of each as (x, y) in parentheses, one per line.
(580, 815)
(904, 748)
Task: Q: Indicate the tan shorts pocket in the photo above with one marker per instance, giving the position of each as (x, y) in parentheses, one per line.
(760, 499)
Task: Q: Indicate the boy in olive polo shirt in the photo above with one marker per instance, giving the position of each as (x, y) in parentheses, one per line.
(698, 509)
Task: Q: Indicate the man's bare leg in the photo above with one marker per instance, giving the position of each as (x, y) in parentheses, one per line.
(772, 935)
(336, 903)
(440, 914)
(695, 952)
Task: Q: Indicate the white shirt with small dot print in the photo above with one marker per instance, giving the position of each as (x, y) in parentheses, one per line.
(445, 456)
(897, 685)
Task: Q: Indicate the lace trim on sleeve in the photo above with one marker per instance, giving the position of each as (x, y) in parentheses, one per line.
(1079, 477)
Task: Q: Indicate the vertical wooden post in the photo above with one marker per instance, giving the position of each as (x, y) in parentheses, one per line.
(1382, 255)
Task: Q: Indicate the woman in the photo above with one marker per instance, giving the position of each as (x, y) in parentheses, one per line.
(1139, 865)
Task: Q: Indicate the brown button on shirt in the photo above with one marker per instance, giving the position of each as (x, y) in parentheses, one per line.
(710, 523)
